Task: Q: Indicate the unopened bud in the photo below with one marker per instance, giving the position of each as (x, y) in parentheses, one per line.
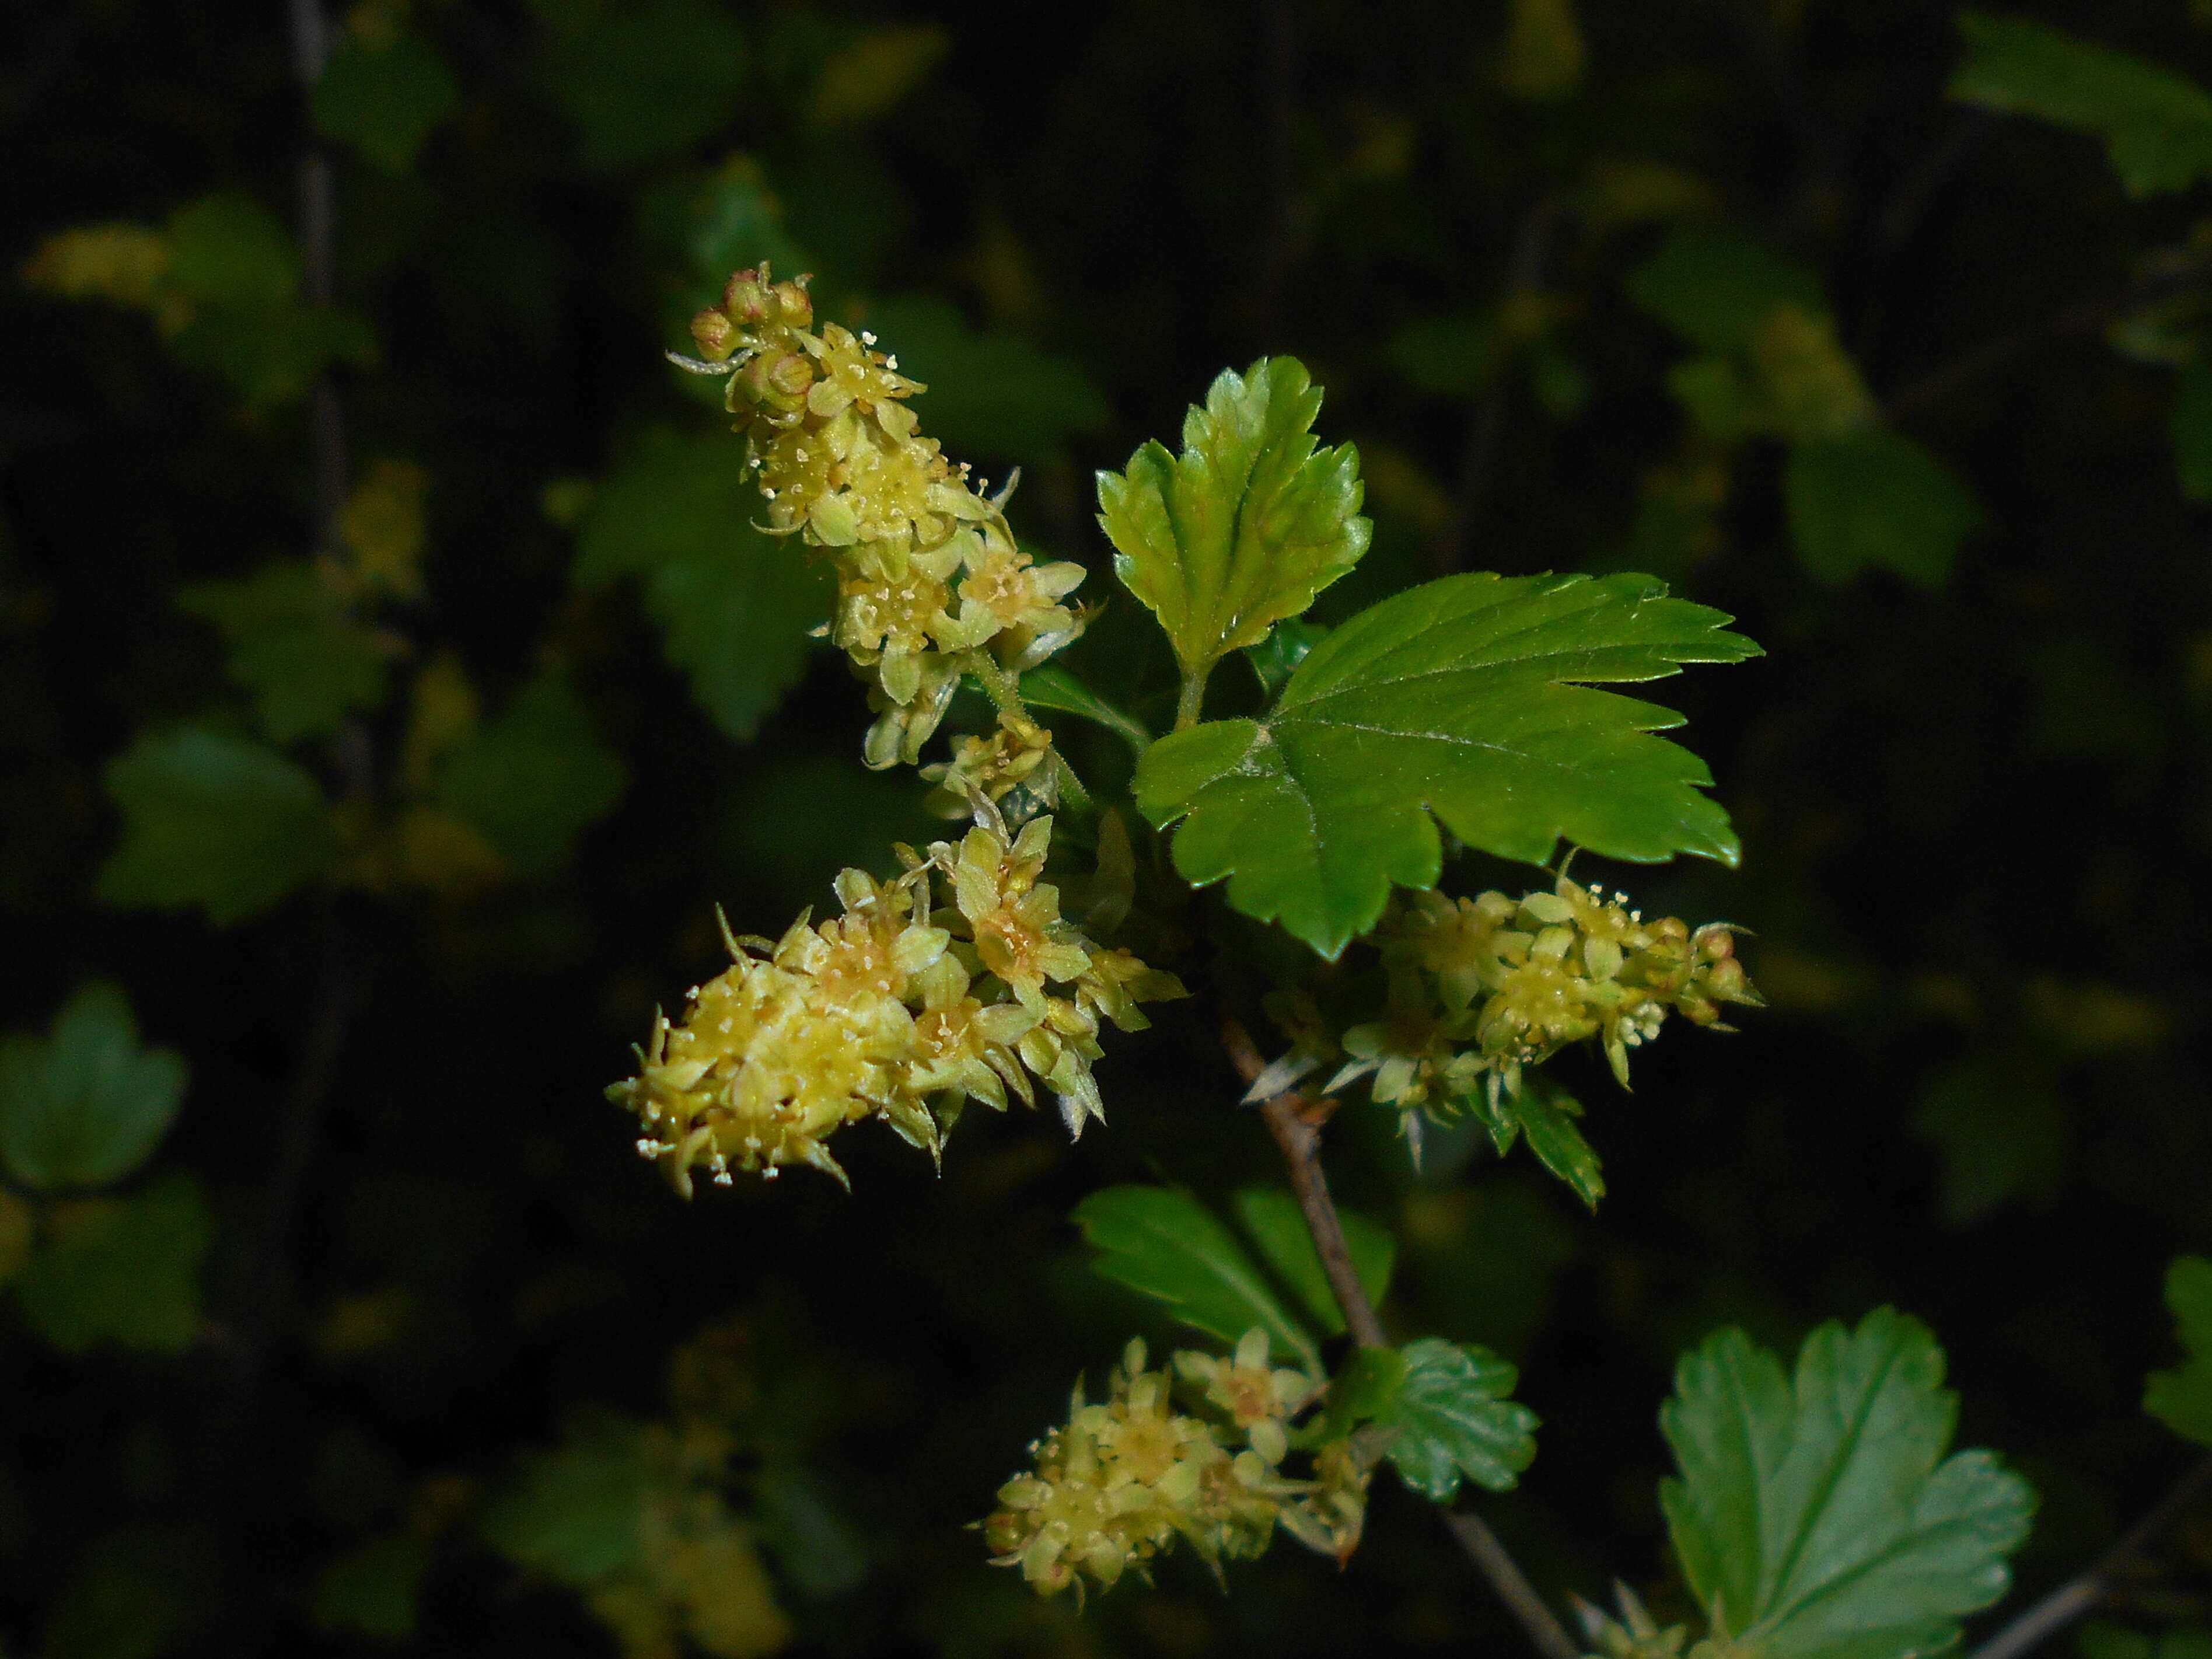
(796, 307)
(748, 302)
(716, 335)
(791, 375)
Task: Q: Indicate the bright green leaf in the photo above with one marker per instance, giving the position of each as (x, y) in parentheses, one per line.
(734, 603)
(1877, 499)
(213, 821)
(1278, 1226)
(1247, 526)
(2190, 427)
(2157, 125)
(1454, 1417)
(375, 1590)
(2182, 1398)
(292, 645)
(86, 1106)
(1167, 1246)
(536, 778)
(1820, 1519)
(572, 1511)
(643, 79)
(1054, 686)
(1715, 287)
(991, 395)
(121, 1270)
(385, 99)
(1546, 1112)
(1457, 698)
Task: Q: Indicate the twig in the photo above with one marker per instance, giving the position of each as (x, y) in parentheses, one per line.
(1295, 1119)
(2080, 317)
(2077, 1596)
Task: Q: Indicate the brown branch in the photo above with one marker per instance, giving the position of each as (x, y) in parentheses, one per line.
(2076, 1596)
(1295, 1119)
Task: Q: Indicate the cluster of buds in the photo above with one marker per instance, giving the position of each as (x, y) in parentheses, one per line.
(1482, 988)
(1124, 1479)
(1017, 755)
(929, 573)
(901, 1009)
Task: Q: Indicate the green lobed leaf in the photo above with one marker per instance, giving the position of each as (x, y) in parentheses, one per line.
(1459, 699)
(2189, 427)
(991, 394)
(122, 1270)
(734, 605)
(1165, 1244)
(374, 1589)
(644, 79)
(385, 99)
(2157, 125)
(292, 645)
(1714, 286)
(535, 779)
(1546, 1112)
(1247, 526)
(1454, 1419)
(213, 821)
(1820, 1518)
(1057, 687)
(2182, 1398)
(1273, 1219)
(1365, 1387)
(86, 1106)
(1876, 500)
(1276, 658)
(572, 1511)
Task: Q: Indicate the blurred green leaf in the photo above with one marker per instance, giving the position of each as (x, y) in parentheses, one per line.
(2189, 427)
(572, 1510)
(1457, 698)
(2157, 126)
(213, 821)
(1821, 1520)
(867, 76)
(535, 779)
(140, 1593)
(643, 80)
(272, 354)
(1876, 500)
(2182, 1398)
(733, 603)
(1247, 526)
(86, 1106)
(1054, 686)
(1166, 1245)
(1446, 354)
(1365, 1387)
(386, 98)
(228, 250)
(1274, 1222)
(1454, 1417)
(1996, 1120)
(991, 395)
(292, 645)
(1546, 1112)
(1714, 286)
(737, 223)
(374, 1590)
(121, 1270)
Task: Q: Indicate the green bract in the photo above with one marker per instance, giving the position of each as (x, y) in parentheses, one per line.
(2182, 1398)
(1820, 1519)
(87, 1105)
(1452, 1417)
(1245, 527)
(1459, 699)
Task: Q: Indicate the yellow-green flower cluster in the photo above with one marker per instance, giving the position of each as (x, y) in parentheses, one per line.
(899, 1009)
(929, 573)
(1016, 756)
(1124, 1479)
(1480, 989)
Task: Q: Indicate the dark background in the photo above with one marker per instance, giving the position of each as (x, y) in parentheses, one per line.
(1975, 809)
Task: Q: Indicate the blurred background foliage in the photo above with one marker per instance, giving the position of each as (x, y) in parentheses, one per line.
(391, 682)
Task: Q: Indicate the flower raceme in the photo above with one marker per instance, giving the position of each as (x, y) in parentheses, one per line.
(899, 1008)
(1125, 1478)
(929, 577)
(1482, 988)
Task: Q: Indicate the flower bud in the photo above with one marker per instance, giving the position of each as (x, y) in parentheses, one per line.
(747, 301)
(795, 306)
(716, 335)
